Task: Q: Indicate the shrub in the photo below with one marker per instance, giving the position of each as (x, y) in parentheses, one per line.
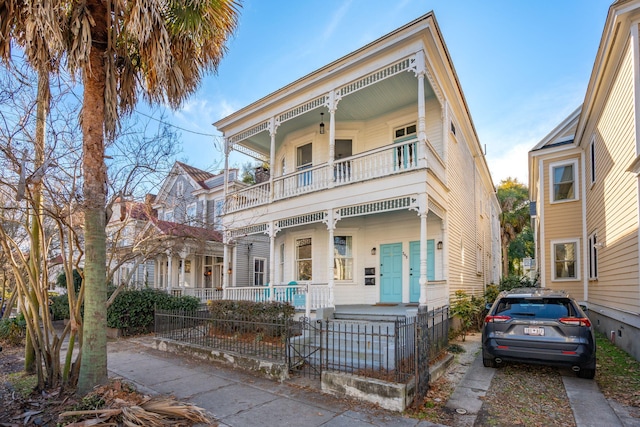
(59, 307)
(465, 308)
(61, 280)
(513, 281)
(266, 318)
(13, 330)
(133, 311)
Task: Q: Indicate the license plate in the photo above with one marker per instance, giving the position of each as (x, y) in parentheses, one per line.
(534, 331)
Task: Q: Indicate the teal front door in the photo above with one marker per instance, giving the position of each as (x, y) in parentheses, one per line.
(414, 268)
(391, 272)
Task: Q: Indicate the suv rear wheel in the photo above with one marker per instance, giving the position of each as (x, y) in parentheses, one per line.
(588, 374)
(489, 362)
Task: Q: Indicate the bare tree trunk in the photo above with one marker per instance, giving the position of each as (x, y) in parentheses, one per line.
(93, 369)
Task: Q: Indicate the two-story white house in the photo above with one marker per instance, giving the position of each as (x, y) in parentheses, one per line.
(378, 189)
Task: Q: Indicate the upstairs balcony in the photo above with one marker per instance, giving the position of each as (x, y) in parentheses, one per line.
(381, 162)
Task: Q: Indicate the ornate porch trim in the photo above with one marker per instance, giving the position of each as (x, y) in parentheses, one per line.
(377, 207)
(436, 209)
(375, 77)
(251, 229)
(301, 220)
(301, 109)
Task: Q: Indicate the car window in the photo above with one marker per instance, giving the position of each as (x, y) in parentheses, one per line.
(545, 308)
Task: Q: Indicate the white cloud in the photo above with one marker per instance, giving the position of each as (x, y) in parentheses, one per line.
(336, 19)
(510, 163)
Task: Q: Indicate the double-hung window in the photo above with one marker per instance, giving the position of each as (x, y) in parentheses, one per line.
(565, 260)
(343, 257)
(593, 256)
(563, 181)
(259, 271)
(303, 259)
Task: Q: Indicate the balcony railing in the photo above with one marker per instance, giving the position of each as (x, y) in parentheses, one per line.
(384, 161)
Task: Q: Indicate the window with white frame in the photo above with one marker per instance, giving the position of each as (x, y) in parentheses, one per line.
(343, 257)
(168, 215)
(180, 188)
(563, 181)
(217, 218)
(593, 256)
(259, 271)
(565, 260)
(303, 259)
(405, 132)
(191, 214)
(592, 158)
(479, 261)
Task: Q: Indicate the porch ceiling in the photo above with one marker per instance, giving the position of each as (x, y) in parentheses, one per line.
(383, 97)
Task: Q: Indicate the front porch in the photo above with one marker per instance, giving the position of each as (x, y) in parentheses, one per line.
(309, 297)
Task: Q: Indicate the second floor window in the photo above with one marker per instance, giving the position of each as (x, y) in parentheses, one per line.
(563, 178)
(191, 214)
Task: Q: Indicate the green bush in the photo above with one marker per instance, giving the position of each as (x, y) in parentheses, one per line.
(60, 307)
(513, 281)
(133, 311)
(61, 280)
(238, 317)
(13, 330)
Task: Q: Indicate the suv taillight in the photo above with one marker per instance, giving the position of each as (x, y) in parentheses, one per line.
(496, 319)
(576, 321)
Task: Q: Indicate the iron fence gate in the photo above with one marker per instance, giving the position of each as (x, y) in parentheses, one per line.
(304, 349)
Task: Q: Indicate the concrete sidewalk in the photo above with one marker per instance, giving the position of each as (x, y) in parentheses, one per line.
(237, 398)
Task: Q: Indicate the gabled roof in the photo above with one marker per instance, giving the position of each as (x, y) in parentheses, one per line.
(198, 175)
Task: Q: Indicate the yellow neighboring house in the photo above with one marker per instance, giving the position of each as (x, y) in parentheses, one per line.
(584, 186)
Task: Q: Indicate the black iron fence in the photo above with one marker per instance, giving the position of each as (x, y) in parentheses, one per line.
(395, 350)
(245, 336)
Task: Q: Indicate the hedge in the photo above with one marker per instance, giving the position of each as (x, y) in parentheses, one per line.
(133, 311)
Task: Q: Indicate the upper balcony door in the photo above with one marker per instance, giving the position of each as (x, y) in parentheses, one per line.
(405, 154)
(342, 168)
(304, 160)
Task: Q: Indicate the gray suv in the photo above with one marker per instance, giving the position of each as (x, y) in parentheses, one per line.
(543, 326)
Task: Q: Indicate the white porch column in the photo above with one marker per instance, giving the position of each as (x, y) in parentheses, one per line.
(272, 253)
(183, 257)
(273, 127)
(422, 133)
(332, 218)
(332, 105)
(225, 267)
(423, 210)
(169, 272)
(227, 150)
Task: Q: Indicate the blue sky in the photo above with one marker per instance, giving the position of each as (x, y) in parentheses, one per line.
(523, 65)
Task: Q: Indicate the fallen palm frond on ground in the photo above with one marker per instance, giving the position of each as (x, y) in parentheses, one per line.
(121, 405)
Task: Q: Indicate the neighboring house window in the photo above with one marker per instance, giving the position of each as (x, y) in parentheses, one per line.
(343, 257)
(217, 218)
(563, 177)
(259, 271)
(168, 216)
(592, 153)
(180, 188)
(479, 263)
(593, 256)
(303, 259)
(282, 263)
(191, 214)
(565, 258)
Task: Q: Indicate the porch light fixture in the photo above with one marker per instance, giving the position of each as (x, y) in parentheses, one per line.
(373, 251)
(322, 123)
(439, 245)
(230, 271)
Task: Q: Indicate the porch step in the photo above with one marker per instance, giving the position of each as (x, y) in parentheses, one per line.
(368, 317)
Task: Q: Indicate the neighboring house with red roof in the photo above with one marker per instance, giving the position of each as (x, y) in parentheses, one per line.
(173, 241)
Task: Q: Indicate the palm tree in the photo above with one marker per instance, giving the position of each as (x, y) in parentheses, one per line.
(120, 48)
(514, 202)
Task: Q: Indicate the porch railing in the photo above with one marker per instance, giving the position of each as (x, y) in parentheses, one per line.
(383, 161)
